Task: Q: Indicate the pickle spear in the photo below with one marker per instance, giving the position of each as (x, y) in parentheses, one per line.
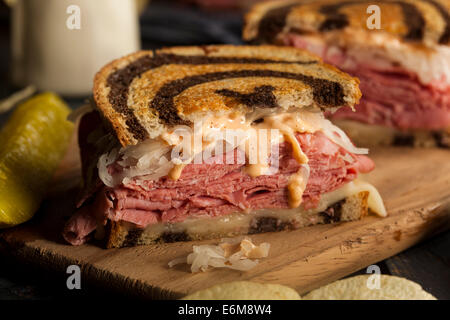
(32, 143)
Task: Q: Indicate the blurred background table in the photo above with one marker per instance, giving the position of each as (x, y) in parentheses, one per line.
(164, 23)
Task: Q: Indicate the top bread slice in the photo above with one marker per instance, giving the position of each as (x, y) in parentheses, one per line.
(148, 92)
(424, 22)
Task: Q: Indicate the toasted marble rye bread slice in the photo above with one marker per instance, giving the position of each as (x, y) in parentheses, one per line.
(145, 93)
(351, 208)
(419, 21)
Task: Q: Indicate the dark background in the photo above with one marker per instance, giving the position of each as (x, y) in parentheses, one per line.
(164, 23)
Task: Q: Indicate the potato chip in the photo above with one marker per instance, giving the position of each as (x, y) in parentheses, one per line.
(365, 287)
(245, 290)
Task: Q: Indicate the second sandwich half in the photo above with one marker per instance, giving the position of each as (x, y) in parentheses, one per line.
(194, 143)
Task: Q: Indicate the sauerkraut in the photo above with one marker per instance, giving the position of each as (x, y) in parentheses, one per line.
(233, 253)
(154, 158)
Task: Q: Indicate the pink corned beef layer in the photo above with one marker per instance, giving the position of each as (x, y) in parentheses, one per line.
(392, 96)
(218, 189)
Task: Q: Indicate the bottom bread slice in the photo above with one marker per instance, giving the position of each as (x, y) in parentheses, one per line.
(368, 135)
(123, 234)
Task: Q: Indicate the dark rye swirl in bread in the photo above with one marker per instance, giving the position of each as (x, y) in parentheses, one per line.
(403, 65)
(136, 192)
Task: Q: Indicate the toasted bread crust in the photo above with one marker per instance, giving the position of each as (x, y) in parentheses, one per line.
(351, 208)
(101, 92)
(253, 17)
(417, 21)
(144, 93)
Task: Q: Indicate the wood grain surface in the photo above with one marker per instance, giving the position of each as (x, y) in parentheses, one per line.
(415, 185)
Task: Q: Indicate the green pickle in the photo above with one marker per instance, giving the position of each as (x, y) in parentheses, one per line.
(32, 143)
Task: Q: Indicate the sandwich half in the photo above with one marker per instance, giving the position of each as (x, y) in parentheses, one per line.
(399, 49)
(192, 143)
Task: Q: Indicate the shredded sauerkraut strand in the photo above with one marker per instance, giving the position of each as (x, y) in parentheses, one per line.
(236, 253)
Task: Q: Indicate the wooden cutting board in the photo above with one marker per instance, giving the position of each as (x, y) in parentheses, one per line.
(415, 185)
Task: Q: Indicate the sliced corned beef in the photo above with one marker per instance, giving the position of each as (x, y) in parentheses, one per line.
(219, 189)
(392, 96)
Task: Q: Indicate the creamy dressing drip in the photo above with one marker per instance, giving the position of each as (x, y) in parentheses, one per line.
(257, 138)
(175, 172)
(286, 125)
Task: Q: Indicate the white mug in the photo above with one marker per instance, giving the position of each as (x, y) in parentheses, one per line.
(59, 45)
